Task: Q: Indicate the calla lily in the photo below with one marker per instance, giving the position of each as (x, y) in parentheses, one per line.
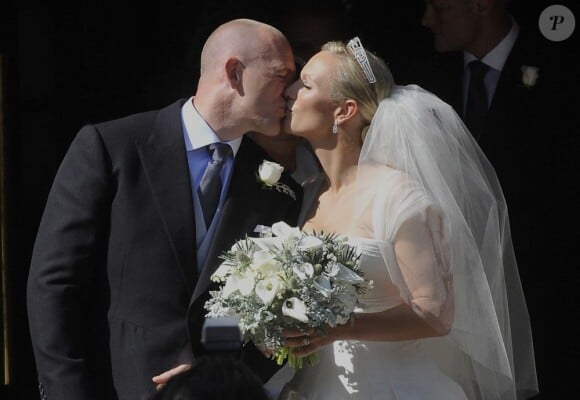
(284, 231)
(243, 284)
(267, 289)
(295, 308)
(265, 263)
(268, 243)
(309, 243)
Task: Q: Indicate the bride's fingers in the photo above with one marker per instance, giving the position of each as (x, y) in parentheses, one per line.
(294, 333)
(298, 341)
(307, 349)
(306, 343)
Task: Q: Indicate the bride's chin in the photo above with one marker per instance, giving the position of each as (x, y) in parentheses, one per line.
(288, 131)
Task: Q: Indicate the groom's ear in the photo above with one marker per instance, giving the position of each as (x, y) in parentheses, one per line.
(234, 70)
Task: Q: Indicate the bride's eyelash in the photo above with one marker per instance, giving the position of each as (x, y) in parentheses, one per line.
(305, 83)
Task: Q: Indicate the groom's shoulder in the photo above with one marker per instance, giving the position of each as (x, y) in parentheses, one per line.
(161, 126)
(143, 118)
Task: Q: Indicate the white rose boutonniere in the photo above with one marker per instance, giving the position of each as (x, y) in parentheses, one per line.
(529, 75)
(269, 174)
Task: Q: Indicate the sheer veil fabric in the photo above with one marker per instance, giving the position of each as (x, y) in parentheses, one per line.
(488, 350)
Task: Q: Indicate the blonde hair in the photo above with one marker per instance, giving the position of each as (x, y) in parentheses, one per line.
(351, 83)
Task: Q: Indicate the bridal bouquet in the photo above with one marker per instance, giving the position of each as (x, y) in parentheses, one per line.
(287, 279)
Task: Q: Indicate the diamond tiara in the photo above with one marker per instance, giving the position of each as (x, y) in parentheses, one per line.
(358, 51)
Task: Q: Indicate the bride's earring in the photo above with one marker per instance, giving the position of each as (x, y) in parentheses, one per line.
(334, 127)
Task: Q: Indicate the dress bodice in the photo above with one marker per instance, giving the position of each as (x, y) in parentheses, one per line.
(375, 254)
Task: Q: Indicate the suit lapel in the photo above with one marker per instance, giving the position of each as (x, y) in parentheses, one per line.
(510, 98)
(164, 160)
(507, 84)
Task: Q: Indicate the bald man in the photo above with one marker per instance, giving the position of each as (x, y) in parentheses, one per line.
(121, 265)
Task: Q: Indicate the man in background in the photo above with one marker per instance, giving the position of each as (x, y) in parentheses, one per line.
(516, 91)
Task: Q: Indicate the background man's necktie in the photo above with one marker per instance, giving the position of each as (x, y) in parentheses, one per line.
(210, 186)
(476, 105)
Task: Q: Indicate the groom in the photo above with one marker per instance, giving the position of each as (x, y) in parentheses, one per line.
(129, 238)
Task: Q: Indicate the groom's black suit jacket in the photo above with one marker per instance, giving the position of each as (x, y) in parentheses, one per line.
(531, 137)
(114, 296)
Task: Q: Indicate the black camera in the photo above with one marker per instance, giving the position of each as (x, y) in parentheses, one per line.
(222, 336)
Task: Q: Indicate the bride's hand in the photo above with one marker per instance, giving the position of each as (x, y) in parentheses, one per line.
(305, 342)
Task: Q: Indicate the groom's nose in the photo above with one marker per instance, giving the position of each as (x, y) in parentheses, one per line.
(291, 90)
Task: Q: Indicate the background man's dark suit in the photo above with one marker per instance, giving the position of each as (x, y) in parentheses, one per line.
(114, 265)
(531, 138)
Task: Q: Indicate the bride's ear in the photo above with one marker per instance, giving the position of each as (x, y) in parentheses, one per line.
(346, 111)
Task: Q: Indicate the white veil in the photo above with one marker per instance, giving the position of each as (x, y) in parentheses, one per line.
(489, 348)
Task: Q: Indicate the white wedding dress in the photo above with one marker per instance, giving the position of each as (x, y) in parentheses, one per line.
(373, 370)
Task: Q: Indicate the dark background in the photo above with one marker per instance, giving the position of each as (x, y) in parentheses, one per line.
(88, 61)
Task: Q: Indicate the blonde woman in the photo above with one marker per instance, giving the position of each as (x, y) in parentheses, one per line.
(407, 184)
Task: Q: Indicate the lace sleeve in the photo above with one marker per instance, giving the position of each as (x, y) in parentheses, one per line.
(405, 217)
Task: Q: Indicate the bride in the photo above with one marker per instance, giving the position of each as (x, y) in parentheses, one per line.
(407, 184)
